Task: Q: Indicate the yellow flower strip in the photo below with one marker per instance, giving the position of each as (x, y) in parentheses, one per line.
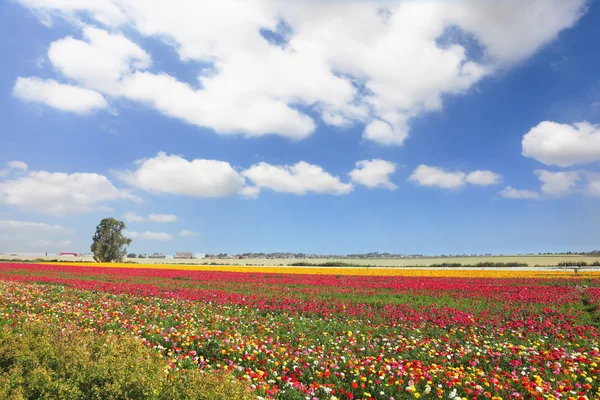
(448, 273)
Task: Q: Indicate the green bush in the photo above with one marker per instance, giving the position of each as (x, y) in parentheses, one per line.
(579, 264)
(440, 265)
(45, 363)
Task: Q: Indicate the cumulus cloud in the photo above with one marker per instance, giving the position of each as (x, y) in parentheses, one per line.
(131, 216)
(61, 193)
(374, 173)
(396, 67)
(173, 174)
(99, 62)
(299, 178)
(58, 95)
(162, 218)
(563, 145)
(426, 175)
(483, 178)
(13, 166)
(250, 192)
(512, 193)
(17, 165)
(249, 116)
(593, 184)
(147, 235)
(558, 183)
(383, 133)
(25, 236)
(186, 233)
(433, 176)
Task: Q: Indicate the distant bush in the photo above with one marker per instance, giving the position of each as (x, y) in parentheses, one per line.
(45, 363)
(500, 264)
(325, 264)
(441, 265)
(579, 264)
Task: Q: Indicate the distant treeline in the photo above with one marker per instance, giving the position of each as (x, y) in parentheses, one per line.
(441, 265)
(579, 264)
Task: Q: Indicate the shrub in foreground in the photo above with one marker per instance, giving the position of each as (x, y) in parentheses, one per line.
(45, 363)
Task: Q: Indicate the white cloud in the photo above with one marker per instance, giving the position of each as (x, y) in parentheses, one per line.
(433, 176)
(100, 62)
(172, 174)
(186, 233)
(483, 178)
(512, 193)
(60, 193)
(593, 184)
(250, 116)
(131, 216)
(147, 235)
(532, 24)
(426, 175)
(564, 145)
(17, 165)
(57, 95)
(557, 183)
(163, 218)
(24, 236)
(374, 173)
(250, 192)
(300, 178)
(397, 66)
(103, 11)
(383, 133)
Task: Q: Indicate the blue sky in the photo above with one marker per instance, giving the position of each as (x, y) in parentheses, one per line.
(428, 128)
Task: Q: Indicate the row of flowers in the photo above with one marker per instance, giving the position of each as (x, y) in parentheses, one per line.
(307, 336)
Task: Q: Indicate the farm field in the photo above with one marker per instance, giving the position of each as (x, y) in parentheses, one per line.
(544, 260)
(302, 333)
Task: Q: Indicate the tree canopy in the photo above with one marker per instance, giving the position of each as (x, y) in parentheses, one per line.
(109, 244)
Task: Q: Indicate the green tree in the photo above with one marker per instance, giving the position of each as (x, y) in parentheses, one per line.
(109, 243)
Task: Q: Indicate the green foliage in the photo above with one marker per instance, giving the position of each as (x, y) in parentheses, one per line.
(326, 264)
(44, 363)
(579, 264)
(109, 244)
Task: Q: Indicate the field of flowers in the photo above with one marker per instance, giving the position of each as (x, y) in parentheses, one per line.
(334, 333)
